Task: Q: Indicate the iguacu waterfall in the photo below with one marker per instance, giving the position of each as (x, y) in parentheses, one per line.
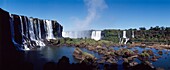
(124, 39)
(96, 35)
(77, 34)
(28, 33)
(49, 30)
(93, 34)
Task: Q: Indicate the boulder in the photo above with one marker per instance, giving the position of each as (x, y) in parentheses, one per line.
(133, 63)
(150, 52)
(125, 60)
(160, 52)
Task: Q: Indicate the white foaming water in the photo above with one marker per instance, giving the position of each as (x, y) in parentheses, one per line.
(124, 34)
(49, 30)
(96, 35)
(126, 40)
(39, 30)
(31, 29)
(32, 34)
(133, 35)
(22, 31)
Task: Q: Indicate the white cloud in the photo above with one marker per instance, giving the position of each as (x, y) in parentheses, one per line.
(94, 7)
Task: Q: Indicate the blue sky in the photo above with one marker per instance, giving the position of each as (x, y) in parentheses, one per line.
(95, 14)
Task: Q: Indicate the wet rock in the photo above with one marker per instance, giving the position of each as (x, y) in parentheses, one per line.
(133, 63)
(160, 52)
(154, 58)
(130, 58)
(80, 55)
(150, 52)
(136, 51)
(149, 64)
(125, 60)
(111, 60)
(101, 61)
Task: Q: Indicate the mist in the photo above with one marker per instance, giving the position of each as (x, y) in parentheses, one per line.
(94, 9)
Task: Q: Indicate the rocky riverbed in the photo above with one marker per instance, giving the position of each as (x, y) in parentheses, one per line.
(112, 56)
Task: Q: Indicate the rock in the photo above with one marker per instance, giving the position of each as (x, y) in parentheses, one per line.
(111, 60)
(130, 58)
(149, 64)
(125, 60)
(133, 63)
(154, 58)
(87, 55)
(160, 52)
(150, 52)
(101, 61)
(80, 55)
(99, 47)
(136, 51)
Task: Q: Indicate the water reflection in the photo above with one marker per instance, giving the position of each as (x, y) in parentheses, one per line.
(39, 58)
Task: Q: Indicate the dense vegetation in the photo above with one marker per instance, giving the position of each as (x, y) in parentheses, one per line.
(154, 34)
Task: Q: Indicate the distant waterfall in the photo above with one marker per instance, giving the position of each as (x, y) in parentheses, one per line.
(77, 34)
(124, 34)
(49, 30)
(123, 39)
(96, 35)
(22, 31)
(133, 35)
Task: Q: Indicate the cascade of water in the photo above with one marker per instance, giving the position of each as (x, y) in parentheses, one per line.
(23, 40)
(133, 35)
(39, 30)
(96, 35)
(49, 30)
(126, 39)
(124, 34)
(26, 25)
(12, 33)
(31, 29)
(32, 35)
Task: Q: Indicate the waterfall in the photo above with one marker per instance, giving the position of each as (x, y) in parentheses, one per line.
(49, 30)
(12, 33)
(27, 33)
(39, 30)
(124, 34)
(133, 35)
(22, 31)
(124, 38)
(31, 29)
(77, 34)
(96, 35)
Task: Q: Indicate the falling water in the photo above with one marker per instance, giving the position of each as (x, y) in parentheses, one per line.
(22, 32)
(12, 33)
(49, 30)
(124, 39)
(124, 34)
(96, 35)
(39, 30)
(77, 34)
(133, 36)
(31, 29)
